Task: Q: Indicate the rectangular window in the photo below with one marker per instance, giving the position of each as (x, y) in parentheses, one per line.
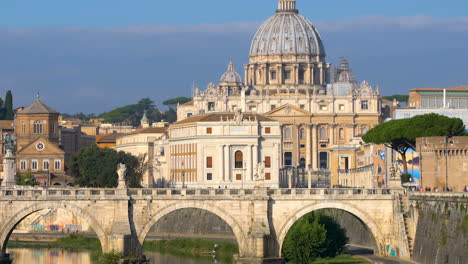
(57, 165)
(267, 130)
(209, 176)
(252, 107)
(189, 114)
(267, 176)
(323, 107)
(23, 165)
(364, 105)
(45, 165)
(23, 128)
(211, 106)
(341, 107)
(287, 75)
(209, 130)
(273, 75)
(209, 162)
(34, 165)
(238, 177)
(302, 107)
(267, 162)
(272, 107)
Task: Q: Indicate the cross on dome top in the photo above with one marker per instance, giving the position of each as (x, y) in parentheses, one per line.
(287, 6)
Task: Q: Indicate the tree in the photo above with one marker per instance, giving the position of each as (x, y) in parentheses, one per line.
(172, 103)
(398, 97)
(26, 179)
(96, 167)
(314, 236)
(9, 114)
(400, 135)
(170, 115)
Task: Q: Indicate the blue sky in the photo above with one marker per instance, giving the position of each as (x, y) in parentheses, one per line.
(94, 55)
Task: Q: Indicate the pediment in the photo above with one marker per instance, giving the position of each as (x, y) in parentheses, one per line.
(288, 110)
(46, 147)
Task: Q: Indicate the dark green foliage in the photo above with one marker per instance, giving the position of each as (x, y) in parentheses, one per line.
(400, 135)
(26, 179)
(170, 115)
(174, 101)
(9, 112)
(405, 177)
(132, 114)
(82, 116)
(96, 167)
(313, 236)
(398, 97)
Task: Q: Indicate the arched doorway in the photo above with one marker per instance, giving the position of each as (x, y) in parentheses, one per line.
(366, 221)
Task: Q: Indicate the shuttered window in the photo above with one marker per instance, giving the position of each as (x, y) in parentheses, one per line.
(209, 162)
(267, 162)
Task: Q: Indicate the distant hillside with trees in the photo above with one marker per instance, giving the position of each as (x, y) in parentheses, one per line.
(132, 114)
(398, 97)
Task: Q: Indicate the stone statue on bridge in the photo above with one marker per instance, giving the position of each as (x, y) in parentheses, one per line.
(121, 171)
(260, 175)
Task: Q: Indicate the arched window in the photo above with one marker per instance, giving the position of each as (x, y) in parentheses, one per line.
(239, 160)
(363, 130)
(302, 133)
(287, 133)
(37, 127)
(341, 133)
(323, 133)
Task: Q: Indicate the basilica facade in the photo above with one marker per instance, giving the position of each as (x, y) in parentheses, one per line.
(323, 111)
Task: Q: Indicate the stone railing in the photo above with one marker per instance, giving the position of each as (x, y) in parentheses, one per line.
(332, 192)
(57, 192)
(74, 193)
(438, 194)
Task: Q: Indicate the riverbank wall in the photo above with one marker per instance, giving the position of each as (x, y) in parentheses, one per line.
(441, 229)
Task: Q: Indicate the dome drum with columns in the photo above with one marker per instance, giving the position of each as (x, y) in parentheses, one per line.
(322, 110)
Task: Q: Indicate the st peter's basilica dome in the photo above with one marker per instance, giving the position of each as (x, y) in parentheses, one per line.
(287, 32)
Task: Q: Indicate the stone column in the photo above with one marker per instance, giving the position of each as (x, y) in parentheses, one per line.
(220, 163)
(308, 145)
(332, 134)
(249, 164)
(314, 148)
(321, 74)
(246, 74)
(312, 75)
(228, 166)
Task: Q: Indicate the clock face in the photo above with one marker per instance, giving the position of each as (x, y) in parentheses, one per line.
(40, 146)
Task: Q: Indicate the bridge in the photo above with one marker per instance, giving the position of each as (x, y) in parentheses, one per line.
(259, 218)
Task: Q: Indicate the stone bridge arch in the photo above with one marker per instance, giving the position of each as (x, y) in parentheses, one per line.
(9, 225)
(237, 229)
(363, 216)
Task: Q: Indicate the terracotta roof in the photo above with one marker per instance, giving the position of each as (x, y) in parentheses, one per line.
(217, 117)
(38, 107)
(110, 138)
(463, 88)
(6, 124)
(148, 130)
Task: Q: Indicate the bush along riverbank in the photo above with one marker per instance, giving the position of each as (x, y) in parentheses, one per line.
(72, 242)
(194, 248)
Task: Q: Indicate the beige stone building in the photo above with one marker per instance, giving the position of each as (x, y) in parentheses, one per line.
(43, 147)
(233, 150)
(146, 143)
(289, 80)
(444, 162)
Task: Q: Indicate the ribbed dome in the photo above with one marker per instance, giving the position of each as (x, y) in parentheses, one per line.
(287, 32)
(231, 76)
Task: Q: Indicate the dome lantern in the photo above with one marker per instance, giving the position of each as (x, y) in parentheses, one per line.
(287, 6)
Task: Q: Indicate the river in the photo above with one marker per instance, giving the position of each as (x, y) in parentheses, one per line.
(61, 256)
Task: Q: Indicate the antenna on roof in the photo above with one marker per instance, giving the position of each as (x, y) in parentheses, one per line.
(38, 96)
